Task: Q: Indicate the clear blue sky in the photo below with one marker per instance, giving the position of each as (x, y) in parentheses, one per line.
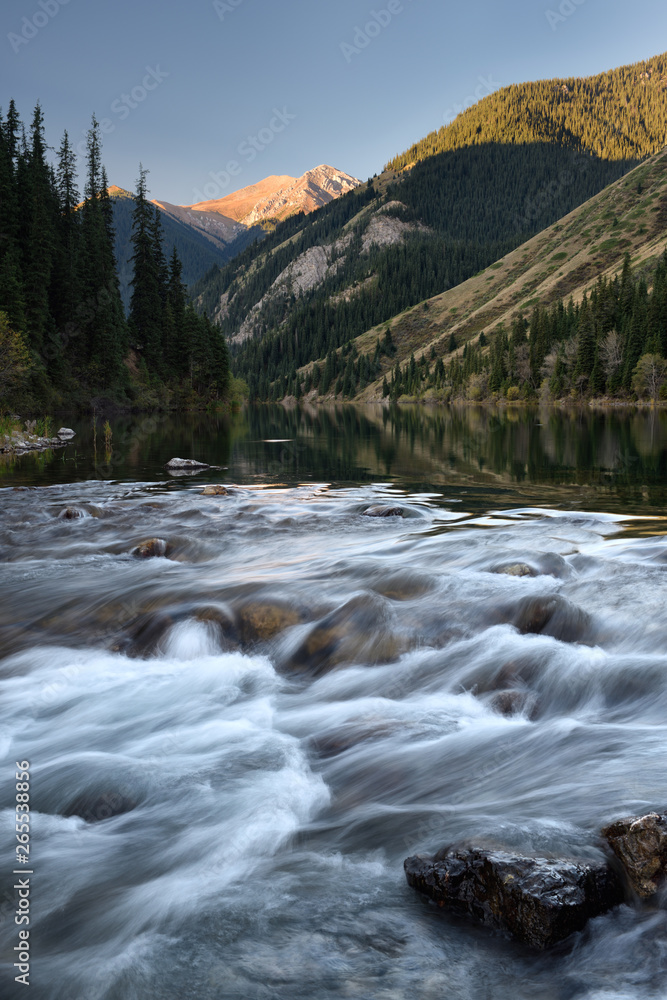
(220, 69)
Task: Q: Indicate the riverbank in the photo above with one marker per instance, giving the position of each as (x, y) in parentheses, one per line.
(18, 440)
(501, 402)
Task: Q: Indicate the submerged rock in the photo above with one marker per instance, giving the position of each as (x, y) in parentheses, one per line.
(70, 514)
(383, 511)
(150, 548)
(262, 620)
(640, 844)
(94, 808)
(186, 463)
(539, 901)
(357, 632)
(513, 702)
(549, 614)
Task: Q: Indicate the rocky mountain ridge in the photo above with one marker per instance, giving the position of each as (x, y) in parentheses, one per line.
(279, 197)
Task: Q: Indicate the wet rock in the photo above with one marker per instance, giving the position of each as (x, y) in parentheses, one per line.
(94, 807)
(336, 741)
(553, 564)
(357, 632)
(549, 614)
(260, 621)
(66, 433)
(70, 514)
(214, 491)
(379, 510)
(145, 635)
(512, 703)
(539, 901)
(515, 569)
(404, 585)
(219, 614)
(186, 463)
(640, 844)
(150, 548)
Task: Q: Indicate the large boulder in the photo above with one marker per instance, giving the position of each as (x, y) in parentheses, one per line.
(538, 900)
(640, 844)
(357, 632)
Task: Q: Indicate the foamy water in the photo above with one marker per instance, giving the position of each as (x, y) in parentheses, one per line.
(218, 813)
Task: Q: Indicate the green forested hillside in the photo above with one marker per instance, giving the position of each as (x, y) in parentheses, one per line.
(618, 115)
(457, 213)
(578, 312)
(613, 343)
(504, 171)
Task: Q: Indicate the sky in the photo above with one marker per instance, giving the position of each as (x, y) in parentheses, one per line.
(213, 95)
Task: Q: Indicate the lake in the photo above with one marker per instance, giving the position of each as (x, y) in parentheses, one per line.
(242, 712)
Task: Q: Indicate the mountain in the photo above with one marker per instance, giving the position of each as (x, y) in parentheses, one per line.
(213, 226)
(202, 240)
(618, 115)
(212, 233)
(277, 198)
(318, 283)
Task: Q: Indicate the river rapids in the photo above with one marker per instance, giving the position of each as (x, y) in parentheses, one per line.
(235, 743)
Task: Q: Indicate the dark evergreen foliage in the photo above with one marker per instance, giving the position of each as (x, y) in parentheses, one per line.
(580, 351)
(59, 287)
(619, 115)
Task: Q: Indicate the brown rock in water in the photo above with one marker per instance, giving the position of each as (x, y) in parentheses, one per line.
(549, 614)
(70, 514)
(262, 620)
(150, 548)
(382, 511)
(515, 569)
(214, 491)
(539, 901)
(357, 632)
(640, 844)
(512, 702)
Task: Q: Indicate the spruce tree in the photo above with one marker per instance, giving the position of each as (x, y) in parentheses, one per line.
(147, 293)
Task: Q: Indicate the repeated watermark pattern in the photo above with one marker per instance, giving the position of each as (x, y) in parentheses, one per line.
(566, 9)
(224, 7)
(364, 34)
(484, 88)
(31, 26)
(122, 107)
(248, 150)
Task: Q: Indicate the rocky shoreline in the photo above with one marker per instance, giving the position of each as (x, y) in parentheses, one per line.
(20, 442)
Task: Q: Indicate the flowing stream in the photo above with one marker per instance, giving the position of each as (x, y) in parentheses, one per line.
(235, 743)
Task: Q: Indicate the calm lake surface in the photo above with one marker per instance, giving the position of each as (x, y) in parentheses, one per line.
(234, 745)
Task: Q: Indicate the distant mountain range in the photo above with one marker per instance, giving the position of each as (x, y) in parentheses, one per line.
(212, 233)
